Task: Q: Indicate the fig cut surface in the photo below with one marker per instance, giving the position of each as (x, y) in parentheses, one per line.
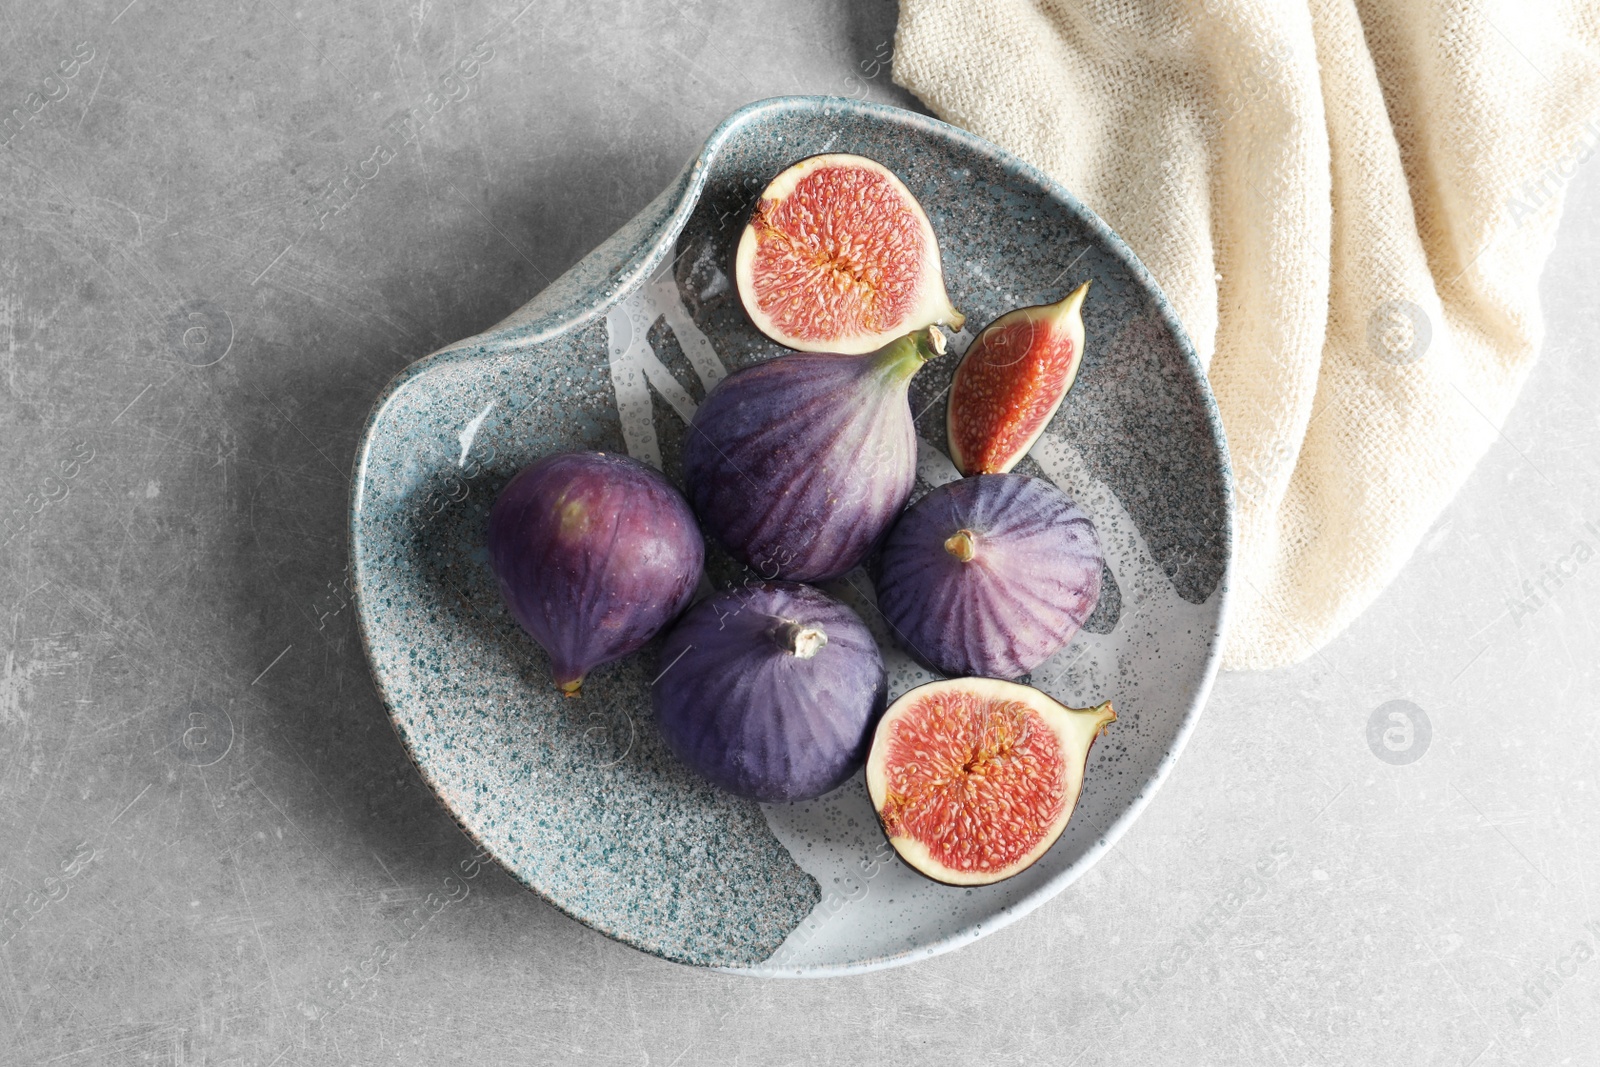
(974, 779)
(838, 256)
(1011, 382)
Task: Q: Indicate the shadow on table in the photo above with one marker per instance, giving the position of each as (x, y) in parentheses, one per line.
(316, 729)
(318, 336)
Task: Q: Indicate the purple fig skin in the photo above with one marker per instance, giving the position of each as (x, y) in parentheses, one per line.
(1029, 579)
(595, 553)
(771, 691)
(798, 465)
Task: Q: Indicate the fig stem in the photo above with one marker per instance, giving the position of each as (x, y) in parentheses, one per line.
(800, 641)
(904, 356)
(962, 545)
(1071, 304)
(571, 689)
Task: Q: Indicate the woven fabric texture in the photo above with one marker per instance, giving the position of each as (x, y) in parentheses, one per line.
(1349, 205)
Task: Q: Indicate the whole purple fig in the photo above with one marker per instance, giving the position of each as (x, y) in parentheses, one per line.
(594, 553)
(799, 464)
(771, 691)
(989, 575)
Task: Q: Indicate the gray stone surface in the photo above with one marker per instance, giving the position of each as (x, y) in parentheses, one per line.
(229, 856)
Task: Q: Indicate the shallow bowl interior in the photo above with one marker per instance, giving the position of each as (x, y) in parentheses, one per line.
(579, 798)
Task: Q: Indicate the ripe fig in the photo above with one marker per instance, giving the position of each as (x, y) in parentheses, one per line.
(838, 256)
(989, 575)
(975, 778)
(770, 691)
(797, 465)
(1011, 381)
(594, 554)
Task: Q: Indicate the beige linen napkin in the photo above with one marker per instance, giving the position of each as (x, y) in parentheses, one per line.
(1348, 203)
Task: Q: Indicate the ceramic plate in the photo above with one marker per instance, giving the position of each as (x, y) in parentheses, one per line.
(579, 798)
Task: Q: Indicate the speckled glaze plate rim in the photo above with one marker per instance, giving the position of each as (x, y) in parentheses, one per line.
(644, 245)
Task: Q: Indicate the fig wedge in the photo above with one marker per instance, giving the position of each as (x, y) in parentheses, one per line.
(1011, 382)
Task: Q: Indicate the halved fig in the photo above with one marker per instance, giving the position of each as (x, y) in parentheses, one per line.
(1011, 381)
(838, 256)
(975, 778)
